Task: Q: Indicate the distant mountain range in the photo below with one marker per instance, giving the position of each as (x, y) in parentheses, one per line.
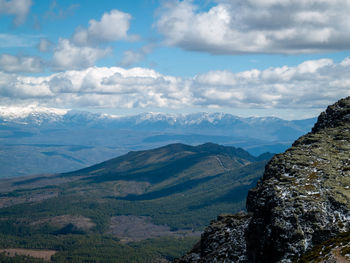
(40, 140)
(47, 117)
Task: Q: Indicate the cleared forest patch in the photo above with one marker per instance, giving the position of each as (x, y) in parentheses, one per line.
(80, 222)
(135, 228)
(42, 254)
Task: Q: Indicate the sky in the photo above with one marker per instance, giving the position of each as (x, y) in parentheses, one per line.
(283, 58)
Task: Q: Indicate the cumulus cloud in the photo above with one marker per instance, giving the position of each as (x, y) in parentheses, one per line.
(17, 89)
(86, 46)
(113, 26)
(69, 56)
(11, 64)
(257, 26)
(131, 57)
(44, 45)
(99, 87)
(18, 8)
(117, 87)
(309, 85)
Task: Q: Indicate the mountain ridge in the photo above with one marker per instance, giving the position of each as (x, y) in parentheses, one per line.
(301, 202)
(178, 155)
(40, 115)
(144, 201)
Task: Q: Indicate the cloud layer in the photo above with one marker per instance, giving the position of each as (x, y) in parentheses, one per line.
(18, 8)
(312, 84)
(257, 26)
(11, 64)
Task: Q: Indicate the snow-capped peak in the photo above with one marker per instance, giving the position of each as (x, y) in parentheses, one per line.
(15, 112)
(158, 116)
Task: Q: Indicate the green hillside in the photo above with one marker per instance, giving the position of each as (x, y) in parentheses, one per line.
(140, 207)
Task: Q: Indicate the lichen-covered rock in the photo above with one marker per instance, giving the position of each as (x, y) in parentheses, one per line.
(304, 196)
(335, 250)
(302, 200)
(223, 241)
(335, 115)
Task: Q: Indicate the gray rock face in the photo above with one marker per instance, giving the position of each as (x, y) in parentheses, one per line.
(222, 241)
(335, 115)
(304, 196)
(302, 200)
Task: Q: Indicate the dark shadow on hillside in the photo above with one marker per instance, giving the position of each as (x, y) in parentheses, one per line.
(188, 185)
(238, 194)
(153, 173)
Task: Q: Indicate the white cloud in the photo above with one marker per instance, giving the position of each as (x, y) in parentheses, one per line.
(250, 26)
(18, 8)
(309, 85)
(69, 56)
(86, 45)
(117, 87)
(345, 62)
(131, 57)
(44, 45)
(113, 26)
(23, 89)
(11, 64)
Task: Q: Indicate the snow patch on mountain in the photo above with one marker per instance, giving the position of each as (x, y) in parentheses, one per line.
(31, 114)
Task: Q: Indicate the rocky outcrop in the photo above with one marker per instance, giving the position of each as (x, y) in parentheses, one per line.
(302, 200)
(335, 250)
(304, 196)
(222, 241)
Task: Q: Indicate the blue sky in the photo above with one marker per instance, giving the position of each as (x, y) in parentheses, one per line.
(263, 57)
